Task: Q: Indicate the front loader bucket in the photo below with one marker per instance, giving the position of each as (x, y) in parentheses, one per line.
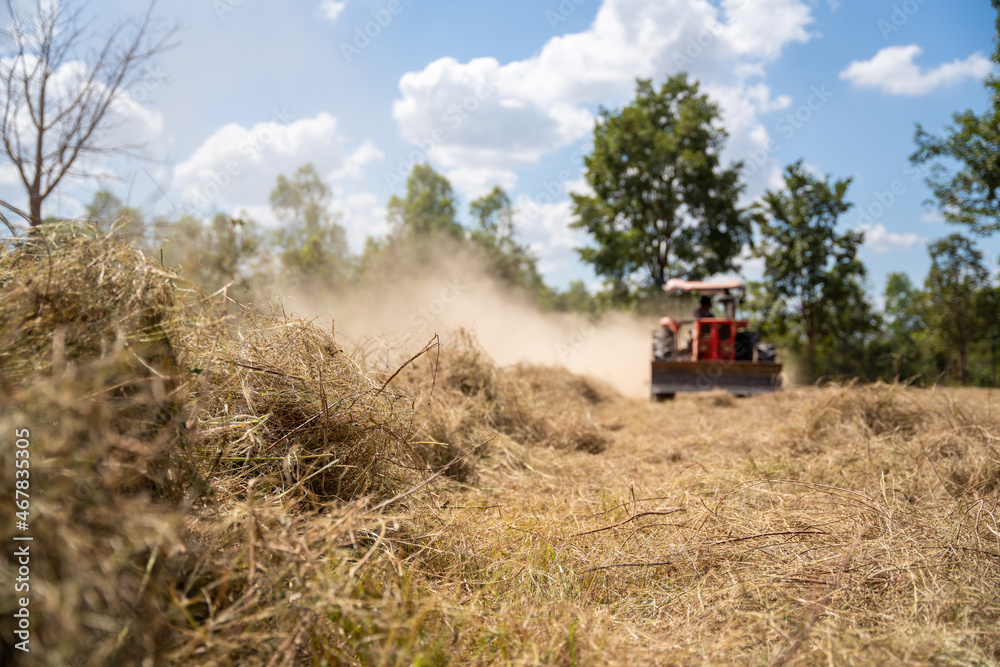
(742, 378)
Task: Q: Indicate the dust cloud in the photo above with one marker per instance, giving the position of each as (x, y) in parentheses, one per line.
(393, 315)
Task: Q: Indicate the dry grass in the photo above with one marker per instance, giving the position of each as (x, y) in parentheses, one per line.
(239, 492)
(185, 508)
(281, 403)
(469, 405)
(850, 525)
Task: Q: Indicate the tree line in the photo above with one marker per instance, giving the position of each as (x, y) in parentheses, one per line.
(662, 205)
(309, 247)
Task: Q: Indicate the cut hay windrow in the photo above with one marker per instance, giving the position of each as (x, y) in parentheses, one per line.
(170, 451)
(467, 400)
(281, 403)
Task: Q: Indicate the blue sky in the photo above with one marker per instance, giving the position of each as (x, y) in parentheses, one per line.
(505, 93)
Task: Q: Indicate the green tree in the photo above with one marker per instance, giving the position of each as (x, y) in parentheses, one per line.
(813, 279)
(577, 299)
(509, 261)
(989, 305)
(211, 254)
(429, 206)
(313, 245)
(956, 285)
(109, 213)
(905, 329)
(663, 206)
(969, 194)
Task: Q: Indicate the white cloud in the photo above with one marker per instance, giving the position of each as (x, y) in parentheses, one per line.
(363, 217)
(932, 216)
(126, 123)
(237, 166)
(462, 114)
(473, 183)
(762, 29)
(506, 115)
(880, 240)
(331, 9)
(359, 157)
(482, 119)
(132, 123)
(544, 228)
(893, 71)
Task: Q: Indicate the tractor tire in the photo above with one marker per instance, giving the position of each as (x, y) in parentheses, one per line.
(663, 344)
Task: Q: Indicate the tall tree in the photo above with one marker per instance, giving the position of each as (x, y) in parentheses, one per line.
(956, 284)
(905, 330)
(969, 194)
(429, 206)
(312, 242)
(58, 90)
(213, 253)
(663, 204)
(510, 261)
(108, 212)
(808, 265)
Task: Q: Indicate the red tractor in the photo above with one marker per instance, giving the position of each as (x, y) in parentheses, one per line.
(706, 353)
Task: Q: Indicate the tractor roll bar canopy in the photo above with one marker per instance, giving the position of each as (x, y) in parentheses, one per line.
(678, 286)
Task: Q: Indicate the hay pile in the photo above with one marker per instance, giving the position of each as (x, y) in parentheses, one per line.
(88, 368)
(279, 402)
(562, 404)
(951, 445)
(464, 400)
(171, 454)
(212, 490)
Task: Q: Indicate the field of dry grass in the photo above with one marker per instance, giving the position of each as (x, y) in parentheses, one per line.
(837, 526)
(236, 489)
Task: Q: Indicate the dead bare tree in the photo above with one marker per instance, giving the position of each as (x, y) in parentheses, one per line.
(59, 86)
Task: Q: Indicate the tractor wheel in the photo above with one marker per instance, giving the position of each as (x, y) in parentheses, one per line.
(660, 398)
(663, 344)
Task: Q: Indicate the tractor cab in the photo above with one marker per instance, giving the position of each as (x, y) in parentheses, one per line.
(714, 339)
(703, 338)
